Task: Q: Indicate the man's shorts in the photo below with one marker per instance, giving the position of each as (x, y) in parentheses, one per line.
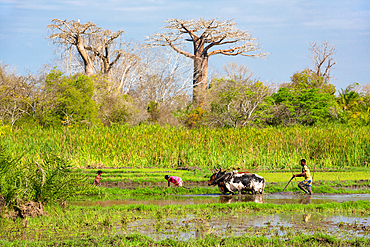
(306, 183)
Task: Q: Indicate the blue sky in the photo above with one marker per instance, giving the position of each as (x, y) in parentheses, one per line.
(284, 28)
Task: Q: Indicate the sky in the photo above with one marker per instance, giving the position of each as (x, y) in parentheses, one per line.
(284, 28)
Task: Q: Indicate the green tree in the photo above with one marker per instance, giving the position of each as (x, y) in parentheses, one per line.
(237, 102)
(354, 107)
(113, 109)
(69, 100)
(309, 79)
(306, 100)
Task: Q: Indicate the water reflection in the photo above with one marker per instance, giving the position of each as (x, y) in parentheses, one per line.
(278, 198)
(306, 199)
(306, 217)
(243, 198)
(269, 225)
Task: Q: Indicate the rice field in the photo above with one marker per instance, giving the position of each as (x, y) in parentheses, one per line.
(192, 225)
(157, 175)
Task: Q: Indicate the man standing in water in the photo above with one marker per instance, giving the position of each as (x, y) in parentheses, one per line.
(307, 182)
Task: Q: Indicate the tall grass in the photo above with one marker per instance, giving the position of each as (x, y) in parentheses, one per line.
(155, 146)
(23, 180)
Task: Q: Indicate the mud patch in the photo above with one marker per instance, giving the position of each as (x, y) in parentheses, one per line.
(131, 185)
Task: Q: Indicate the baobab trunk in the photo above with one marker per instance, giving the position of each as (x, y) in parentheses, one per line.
(88, 64)
(200, 78)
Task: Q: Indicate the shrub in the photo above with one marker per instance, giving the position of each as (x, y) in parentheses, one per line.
(69, 100)
(51, 180)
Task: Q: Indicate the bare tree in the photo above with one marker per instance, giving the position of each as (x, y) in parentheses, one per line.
(237, 97)
(204, 35)
(237, 72)
(18, 95)
(107, 49)
(90, 41)
(127, 70)
(366, 89)
(162, 77)
(322, 57)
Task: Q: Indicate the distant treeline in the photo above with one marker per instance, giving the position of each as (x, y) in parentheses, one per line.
(56, 100)
(99, 79)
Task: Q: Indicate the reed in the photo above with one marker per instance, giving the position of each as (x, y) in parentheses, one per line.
(169, 147)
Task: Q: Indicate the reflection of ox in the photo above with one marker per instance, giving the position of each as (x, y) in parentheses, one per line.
(245, 198)
(237, 181)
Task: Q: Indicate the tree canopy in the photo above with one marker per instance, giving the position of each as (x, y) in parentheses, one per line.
(204, 36)
(91, 42)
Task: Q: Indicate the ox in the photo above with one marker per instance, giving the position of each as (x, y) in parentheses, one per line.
(237, 181)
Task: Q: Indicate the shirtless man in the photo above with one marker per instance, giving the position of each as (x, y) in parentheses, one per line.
(307, 182)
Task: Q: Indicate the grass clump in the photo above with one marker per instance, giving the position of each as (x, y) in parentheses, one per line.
(36, 183)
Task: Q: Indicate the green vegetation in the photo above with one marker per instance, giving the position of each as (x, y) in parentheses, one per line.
(211, 240)
(142, 175)
(319, 176)
(303, 102)
(118, 225)
(155, 175)
(75, 224)
(26, 180)
(72, 97)
(147, 190)
(59, 127)
(119, 183)
(154, 146)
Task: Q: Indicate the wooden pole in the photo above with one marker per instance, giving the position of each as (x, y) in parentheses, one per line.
(314, 168)
(288, 183)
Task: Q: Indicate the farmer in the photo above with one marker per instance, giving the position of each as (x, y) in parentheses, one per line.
(177, 181)
(97, 178)
(307, 178)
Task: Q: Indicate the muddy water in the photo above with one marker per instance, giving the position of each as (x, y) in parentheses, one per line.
(268, 225)
(277, 198)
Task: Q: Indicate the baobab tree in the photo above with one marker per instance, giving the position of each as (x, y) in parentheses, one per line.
(205, 35)
(91, 42)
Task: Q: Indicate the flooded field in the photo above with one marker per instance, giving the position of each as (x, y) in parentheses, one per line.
(270, 225)
(276, 198)
(276, 217)
(187, 226)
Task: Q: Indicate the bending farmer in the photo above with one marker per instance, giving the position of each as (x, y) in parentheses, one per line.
(177, 181)
(306, 183)
(97, 179)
